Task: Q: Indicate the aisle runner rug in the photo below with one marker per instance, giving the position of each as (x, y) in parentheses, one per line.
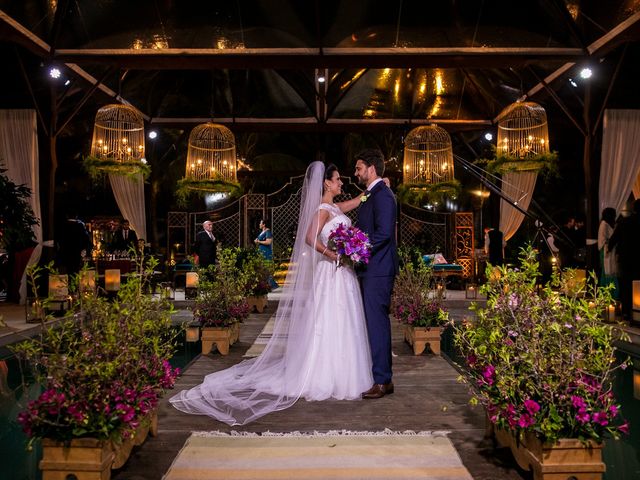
(261, 340)
(336, 455)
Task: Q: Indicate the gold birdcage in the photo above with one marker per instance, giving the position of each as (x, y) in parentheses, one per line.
(118, 134)
(428, 156)
(211, 154)
(522, 131)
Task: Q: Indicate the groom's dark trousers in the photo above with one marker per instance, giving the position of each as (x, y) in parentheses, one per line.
(377, 218)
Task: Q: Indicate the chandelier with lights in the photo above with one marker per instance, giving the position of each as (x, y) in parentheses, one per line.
(211, 162)
(117, 146)
(523, 140)
(427, 168)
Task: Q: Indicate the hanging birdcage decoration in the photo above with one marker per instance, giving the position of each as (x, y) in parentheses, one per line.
(118, 142)
(523, 139)
(428, 156)
(427, 167)
(211, 162)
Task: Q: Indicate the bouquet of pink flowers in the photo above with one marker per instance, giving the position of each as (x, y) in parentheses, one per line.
(351, 244)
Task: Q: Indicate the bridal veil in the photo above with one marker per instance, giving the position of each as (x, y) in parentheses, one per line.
(274, 380)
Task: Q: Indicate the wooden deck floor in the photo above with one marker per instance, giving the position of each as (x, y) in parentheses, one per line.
(427, 397)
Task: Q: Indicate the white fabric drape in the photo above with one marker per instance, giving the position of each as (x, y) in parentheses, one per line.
(636, 187)
(519, 188)
(620, 162)
(129, 195)
(19, 154)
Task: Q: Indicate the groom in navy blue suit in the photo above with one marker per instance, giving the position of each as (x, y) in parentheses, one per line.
(377, 218)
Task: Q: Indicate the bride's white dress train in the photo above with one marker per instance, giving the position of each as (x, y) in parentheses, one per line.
(319, 349)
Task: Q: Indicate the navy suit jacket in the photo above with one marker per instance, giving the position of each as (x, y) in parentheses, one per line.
(377, 218)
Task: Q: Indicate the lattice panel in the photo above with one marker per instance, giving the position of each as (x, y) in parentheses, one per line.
(177, 219)
(429, 237)
(463, 243)
(284, 222)
(255, 201)
(227, 230)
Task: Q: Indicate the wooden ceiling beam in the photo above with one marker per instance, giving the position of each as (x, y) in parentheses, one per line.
(311, 124)
(297, 58)
(623, 32)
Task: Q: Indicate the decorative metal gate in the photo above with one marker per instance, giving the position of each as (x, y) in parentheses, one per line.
(236, 224)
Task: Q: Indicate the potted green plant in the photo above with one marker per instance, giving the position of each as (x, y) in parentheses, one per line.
(541, 363)
(102, 370)
(16, 228)
(220, 305)
(259, 272)
(416, 305)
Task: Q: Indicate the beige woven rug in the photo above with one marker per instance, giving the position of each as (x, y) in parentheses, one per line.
(334, 455)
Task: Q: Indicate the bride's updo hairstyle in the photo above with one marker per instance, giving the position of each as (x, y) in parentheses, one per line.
(328, 171)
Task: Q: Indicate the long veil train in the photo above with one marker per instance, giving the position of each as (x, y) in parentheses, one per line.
(276, 379)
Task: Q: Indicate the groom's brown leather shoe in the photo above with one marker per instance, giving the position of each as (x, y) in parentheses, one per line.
(378, 390)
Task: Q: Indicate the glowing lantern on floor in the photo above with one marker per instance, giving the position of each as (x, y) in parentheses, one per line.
(428, 156)
(112, 280)
(87, 281)
(636, 300)
(58, 287)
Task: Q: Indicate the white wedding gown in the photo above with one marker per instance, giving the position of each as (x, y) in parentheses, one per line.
(339, 361)
(319, 349)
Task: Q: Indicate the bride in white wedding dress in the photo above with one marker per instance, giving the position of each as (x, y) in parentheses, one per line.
(319, 348)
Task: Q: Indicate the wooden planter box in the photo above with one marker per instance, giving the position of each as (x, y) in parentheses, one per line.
(90, 458)
(420, 337)
(221, 337)
(566, 459)
(259, 303)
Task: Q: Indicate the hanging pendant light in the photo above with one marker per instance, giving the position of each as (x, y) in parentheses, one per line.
(427, 167)
(211, 162)
(118, 142)
(523, 139)
(428, 156)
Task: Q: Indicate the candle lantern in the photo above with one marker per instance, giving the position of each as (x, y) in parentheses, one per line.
(191, 285)
(87, 281)
(167, 291)
(192, 280)
(610, 313)
(192, 332)
(34, 310)
(471, 291)
(112, 280)
(58, 287)
(636, 301)
(58, 293)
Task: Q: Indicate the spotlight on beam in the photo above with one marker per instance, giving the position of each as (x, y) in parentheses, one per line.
(153, 134)
(586, 73)
(488, 136)
(54, 72)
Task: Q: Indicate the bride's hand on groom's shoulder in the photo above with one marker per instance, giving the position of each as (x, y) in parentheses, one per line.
(387, 182)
